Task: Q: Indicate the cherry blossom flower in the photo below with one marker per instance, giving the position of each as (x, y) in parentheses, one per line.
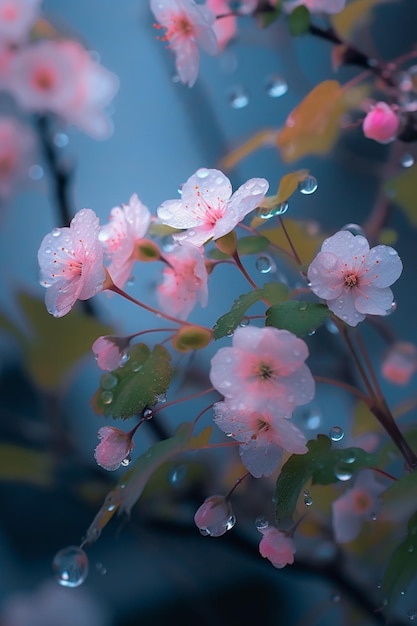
(277, 547)
(16, 18)
(127, 225)
(61, 77)
(17, 145)
(400, 362)
(225, 27)
(115, 446)
(355, 506)
(71, 263)
(215, 516)
(263, 436)
(263, 370)
(184, 281)
(109, 350)
(207, 208)
(353, 279)
(187, 25)
(381, 123)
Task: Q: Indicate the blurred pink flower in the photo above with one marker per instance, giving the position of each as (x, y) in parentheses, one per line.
(381, 123)
(207, 208)
(276, 546)
(215, 516)
(184, 281)
(400, 362)
(187, 25)
(17, 146)
(127, 225)
(115, 446)
(109, 351)
(355, 506)
(71, 263)
(225, 27)
(263, 436)
(16, 19)
(353, 279)
(264, 370)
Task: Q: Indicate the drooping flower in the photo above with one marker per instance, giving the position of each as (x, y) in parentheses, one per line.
(184, 281)
(276, 546)
(215, 516)
(109, 351)
(355, 506)
(353, 279)
(16, 18)
(187, 25)
(127, 225)
(225, 27)
(400, 362)
(71, 263)
(264, 437)
(207, 208)
(115, 446)
(17, 145)
(381, 123)
(263, 370)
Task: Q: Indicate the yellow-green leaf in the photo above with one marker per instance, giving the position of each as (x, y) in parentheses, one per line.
(23, 465)
(402, 191)
(354, 15)
(287, 186)
(305, 236)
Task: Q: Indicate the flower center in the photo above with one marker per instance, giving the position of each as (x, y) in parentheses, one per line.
(180, 27)
(351, 280)
(265, 371)
(261, 427)
(361, 501)
(44, 79)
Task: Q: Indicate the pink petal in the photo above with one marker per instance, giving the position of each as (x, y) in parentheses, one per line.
(374, 301)
(389, 266)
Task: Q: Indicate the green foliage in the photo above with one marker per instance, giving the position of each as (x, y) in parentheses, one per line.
(191, 338)
(299, 21)
(355, 15)
(245, 245)
(322, 465)
(402, 191)
(23, 465)
(305, 238)
(128, 390)
(269, 17)
(402, 566)
(272, 292)
(287, 186)
(297, 316)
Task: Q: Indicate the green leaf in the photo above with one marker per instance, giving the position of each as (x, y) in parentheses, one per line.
(305, 236)
(23, 465)
(299, 20)
(287, 186)
(322, 465)
(227, 244)
(353, 16)
(125, 392)
(269, 17)
(228, 322)
(297, 316)
(401, 190)
(402, 566)
(400, 497)
(252, 245)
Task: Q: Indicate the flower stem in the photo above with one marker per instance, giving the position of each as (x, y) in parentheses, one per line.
(242, 269)
(337, 383)
(290, 243)
(238, 481)
(191, 397)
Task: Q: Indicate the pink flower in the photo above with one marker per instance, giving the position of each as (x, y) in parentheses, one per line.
(16, 18)
(264, 437)
(225, 27)
(276, 546)
(71, 262)
(187, 24)
(353, 279)
(381, 123)
(207, 208)
(264, 370)
(109, 351)
(215, 516)
(185, 281)
(115, 446)
(16, 148)
(119, 237)
(400, 362)
(355, 506)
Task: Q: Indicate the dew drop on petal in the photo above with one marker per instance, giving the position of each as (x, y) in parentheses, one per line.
(355, 229)
(407, 160)
(308, 185)
(126, 461)
(36, 172)
(61, 140)
(263, 264)
(203, 172)
(276, 86)
(261, 523)
(70, 566)
(343, 472)
(238, 97)
(56, 232)
(106, 397)
(230, 333)
(336, 433)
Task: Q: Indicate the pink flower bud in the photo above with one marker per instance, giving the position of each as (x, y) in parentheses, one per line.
(115, 446)
(381, 123)
(400, 363)
(215, 516)
(109, 350)
(276, 546)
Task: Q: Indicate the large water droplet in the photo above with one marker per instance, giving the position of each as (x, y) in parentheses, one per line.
(147, 414)
(238, 97)
(336, 433)
(126, 461)
(308, 500)
(265, 213)
(308, 185)
(56, 232)
(276, 86)
(407, 160)
(108, 381)
(355, 229)
(263, 264)
(106, 397)
(70, 566)
(203, 172)
(261, 522)
(245, 321)
(343, 472)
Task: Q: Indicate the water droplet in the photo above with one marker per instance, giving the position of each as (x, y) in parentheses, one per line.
(124, 359)
(230, 333)
(56, 232)
(392, 309)
(203, 172)
(70, 566)
(111, 507)
(204, 532)
(130, 281)
(276, 86)
(312, 418)
(349, 456)
(61, 140)
(410, 548)
(331, 326)
(355, 229)
(335, 597)
(311, 333)
(167, 243)
(35, 172)
(407, 160)
(245, 321)
(403, 592)
(136, 367)
(108, 381)
(308, 185)
(265, 213)
(336, 433)
(162, 398)
(412, 615)
(343, 472)
(177, 475)
(308, 500)
(126, 461)
(147, 414)
(263, 264)
(261, 523)
(101, 569)
(238, 97)
(106, 397)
